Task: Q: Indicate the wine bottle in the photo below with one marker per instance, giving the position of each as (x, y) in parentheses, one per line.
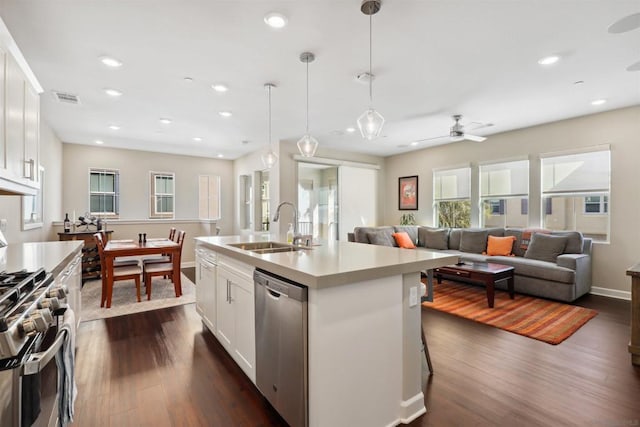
(67, 223)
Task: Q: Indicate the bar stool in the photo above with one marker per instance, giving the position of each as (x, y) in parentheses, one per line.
(423, 298)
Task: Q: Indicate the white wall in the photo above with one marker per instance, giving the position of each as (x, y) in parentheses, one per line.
(134, 167)
(619, 128)
(11, 206)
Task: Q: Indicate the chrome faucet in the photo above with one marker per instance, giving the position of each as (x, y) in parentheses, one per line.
(276, 217)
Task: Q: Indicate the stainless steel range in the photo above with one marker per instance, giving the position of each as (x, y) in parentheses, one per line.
(30, 307)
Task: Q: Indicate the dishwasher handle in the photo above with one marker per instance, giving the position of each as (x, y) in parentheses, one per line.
(280, 286)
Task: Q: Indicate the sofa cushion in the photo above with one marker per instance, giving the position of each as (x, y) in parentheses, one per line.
(542, 270)
(454, 238)
(403, 240)
(360, 233)
(574, 241)
(473, 241)
(500, 245)
(433, 238)
(545, 247)
(411, 230)
(517, 245)
(381, 237)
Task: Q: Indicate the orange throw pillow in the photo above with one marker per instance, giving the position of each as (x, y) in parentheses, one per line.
(500, 245)
(403, 240)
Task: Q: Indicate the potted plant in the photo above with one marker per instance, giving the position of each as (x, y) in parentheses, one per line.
(407, 219)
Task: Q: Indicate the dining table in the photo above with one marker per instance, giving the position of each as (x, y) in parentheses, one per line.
(131, 248)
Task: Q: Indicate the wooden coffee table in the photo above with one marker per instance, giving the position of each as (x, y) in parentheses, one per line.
(486, 273)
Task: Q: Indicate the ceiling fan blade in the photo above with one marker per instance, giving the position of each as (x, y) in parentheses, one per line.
(431, 139)
(474, 138)
(479, 125)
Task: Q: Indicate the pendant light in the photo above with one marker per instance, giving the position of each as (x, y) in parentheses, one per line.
(307, 144)
(269, 158)
(370, 122)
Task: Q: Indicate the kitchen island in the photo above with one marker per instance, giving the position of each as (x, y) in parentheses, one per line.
(364, 345)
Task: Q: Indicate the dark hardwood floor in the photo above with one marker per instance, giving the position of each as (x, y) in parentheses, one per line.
(162, 368)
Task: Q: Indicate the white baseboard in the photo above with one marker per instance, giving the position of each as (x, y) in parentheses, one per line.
(611, 293)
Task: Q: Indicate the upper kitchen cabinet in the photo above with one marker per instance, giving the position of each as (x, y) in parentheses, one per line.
(19, 120)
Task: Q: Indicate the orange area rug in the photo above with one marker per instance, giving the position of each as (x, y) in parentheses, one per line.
(540, 319)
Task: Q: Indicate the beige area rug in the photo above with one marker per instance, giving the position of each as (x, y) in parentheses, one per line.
(124, 298)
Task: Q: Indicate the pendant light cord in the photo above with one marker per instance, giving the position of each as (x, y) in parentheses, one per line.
(269, 117)
(307, 97)
(370, 61)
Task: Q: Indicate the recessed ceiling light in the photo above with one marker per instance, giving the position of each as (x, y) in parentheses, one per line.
(578, 82)
(549, 60)
(219, 87)
(225, 113)
(350, 129)
(188, 79)
(165, 121)
(275, 20)
(112, 92)
(598, 101)
(110, 62)
(220, 155)
(197, 139)
(99, 142)
(114, 127)
(414, 143)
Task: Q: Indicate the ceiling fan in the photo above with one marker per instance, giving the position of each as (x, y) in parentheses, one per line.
(457, 133)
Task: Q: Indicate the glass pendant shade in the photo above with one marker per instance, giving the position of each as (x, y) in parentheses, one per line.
(269, 159)
(308, 145)
(370, 124)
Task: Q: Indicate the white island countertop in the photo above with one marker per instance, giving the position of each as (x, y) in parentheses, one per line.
(334, 263)
(52, 256)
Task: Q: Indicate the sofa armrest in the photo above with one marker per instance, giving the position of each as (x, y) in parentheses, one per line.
(571, 260)
(581, 264)
(351, 237)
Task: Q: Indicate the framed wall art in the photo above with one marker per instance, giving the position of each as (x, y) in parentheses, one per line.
(408, 193)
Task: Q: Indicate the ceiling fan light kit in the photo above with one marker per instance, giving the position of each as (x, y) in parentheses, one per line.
(370, 122)
(270, 158)
(307, 144)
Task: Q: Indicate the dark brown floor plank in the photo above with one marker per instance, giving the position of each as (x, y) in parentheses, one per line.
(162, 368)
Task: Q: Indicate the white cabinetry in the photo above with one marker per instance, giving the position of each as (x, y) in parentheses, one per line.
(19, 121)
(71, 278)
(235, 316)
(206, 275)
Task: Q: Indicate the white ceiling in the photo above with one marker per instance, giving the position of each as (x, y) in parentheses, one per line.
(431, 59)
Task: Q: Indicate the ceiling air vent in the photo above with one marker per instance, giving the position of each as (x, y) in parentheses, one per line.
(65, 97)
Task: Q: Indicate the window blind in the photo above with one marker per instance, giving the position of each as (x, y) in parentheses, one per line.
(507, 179)
(452, 184)
(581, 173)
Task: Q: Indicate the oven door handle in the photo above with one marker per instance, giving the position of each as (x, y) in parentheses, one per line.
(37, 361)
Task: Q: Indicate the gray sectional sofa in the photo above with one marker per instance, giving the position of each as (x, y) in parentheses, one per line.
(556, 265)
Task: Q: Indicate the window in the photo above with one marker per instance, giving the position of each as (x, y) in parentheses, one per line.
(596, 205)
(504, 194)
(104, 192)
(577, 188)
(452, 197)
(209, 197)
(162, 195)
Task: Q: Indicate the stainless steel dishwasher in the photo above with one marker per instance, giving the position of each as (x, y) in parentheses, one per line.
(281, 345)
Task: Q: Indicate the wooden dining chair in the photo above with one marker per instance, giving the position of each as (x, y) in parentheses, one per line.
(164, 269)
(154, 259)
(123, 271)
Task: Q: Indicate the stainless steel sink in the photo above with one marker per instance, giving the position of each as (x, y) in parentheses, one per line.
(267, 247)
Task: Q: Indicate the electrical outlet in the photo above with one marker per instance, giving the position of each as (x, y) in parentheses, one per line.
(3, 225)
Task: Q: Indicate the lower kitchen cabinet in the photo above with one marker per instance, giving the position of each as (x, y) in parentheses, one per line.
(235, 314)
(206, 277)
(71, 278)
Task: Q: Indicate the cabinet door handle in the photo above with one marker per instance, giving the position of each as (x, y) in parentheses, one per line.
(228, 297)
(30, 166)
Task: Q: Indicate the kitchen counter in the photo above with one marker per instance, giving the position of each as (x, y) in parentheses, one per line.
(52, 256)
(363, 323)
(336, 263)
